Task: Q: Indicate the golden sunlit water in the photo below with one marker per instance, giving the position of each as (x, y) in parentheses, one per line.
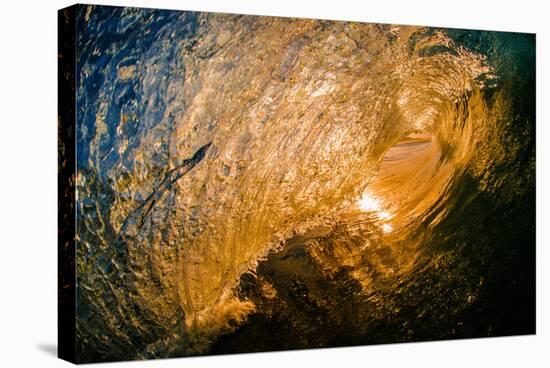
(260, 183)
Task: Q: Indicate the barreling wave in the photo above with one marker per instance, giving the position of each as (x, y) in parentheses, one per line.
(352, 169)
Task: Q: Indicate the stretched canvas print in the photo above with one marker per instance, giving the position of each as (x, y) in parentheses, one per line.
(237, 183)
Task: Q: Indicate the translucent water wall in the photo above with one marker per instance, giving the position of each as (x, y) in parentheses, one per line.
(362, 148)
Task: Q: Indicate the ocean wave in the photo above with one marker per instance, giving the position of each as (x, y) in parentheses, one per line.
(349, 165)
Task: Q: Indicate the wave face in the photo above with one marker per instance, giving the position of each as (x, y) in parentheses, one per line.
(364, 183)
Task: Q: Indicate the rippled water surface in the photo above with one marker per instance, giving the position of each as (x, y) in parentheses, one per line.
(259, 183)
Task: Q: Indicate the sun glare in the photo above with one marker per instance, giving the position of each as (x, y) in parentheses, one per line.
(387, 228)
(370, 203)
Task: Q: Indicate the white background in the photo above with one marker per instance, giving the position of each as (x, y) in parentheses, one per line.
(28, 169)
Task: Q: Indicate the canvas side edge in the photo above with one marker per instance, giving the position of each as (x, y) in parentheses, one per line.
(66, 216)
